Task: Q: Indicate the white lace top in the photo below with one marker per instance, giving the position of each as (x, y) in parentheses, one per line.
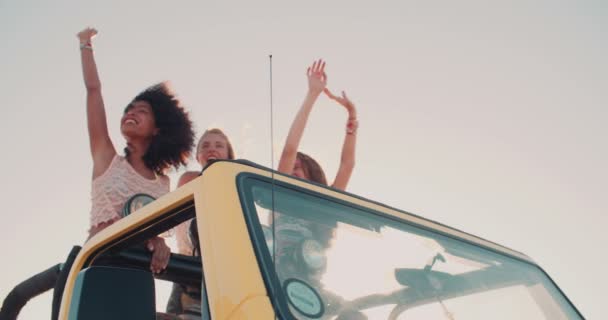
(113, 188)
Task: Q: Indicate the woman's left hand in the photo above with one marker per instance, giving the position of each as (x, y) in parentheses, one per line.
(160, 254)
(344, 101)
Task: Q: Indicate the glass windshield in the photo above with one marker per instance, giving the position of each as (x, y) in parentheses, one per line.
(328, 259)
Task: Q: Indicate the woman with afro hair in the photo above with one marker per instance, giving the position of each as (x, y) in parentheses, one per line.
(158, 134)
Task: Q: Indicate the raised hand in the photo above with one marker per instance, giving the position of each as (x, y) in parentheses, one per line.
(85, 36)
(347, 159)
(344, 101)
(317, 79)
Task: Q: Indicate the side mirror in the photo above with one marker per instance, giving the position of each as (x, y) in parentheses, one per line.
(102, 293)
(426, 283)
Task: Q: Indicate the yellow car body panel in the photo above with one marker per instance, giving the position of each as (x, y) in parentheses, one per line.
(233, 279)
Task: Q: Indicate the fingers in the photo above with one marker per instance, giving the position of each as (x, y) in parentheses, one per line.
(87, 33)
(160, 260)
(154, 263)
(318, 67)
(342, 100)
(160, 256)
(317, 78)
(164, 256)
(349, 105)
(329, 94)
(333, 96)
(346, 100)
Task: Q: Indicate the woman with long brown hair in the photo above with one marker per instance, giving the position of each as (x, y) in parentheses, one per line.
(303, 166)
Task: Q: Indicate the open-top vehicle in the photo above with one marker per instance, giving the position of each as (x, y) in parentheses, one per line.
(273, 246)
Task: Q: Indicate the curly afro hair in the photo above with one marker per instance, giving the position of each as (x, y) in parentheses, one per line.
(172, 145)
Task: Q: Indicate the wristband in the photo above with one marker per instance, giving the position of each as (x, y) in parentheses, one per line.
(86, 45)
(352, 125)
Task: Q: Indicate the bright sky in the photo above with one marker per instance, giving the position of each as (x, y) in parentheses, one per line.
(488, 117)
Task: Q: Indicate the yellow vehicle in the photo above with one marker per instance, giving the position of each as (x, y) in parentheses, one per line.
(277, 247)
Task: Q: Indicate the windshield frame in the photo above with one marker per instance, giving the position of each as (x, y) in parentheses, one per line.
(246, 179)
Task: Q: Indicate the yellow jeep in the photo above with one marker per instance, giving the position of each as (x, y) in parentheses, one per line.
(277, 247)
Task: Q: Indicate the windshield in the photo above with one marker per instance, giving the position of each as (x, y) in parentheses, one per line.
(327, 259)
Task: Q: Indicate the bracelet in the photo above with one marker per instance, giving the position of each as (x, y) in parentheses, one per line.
(86, 45)
(352, 125)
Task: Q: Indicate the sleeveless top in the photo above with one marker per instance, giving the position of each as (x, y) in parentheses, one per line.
(116, 185)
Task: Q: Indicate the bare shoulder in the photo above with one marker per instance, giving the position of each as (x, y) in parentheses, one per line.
(187, 177)
(165, 179)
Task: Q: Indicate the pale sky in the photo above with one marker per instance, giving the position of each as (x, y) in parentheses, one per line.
(486, 116)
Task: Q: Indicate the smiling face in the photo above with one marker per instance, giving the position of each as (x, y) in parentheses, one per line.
(138, 121)
(212, 146)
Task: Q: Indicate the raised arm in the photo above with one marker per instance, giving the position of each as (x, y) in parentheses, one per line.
(347, 159)
(102, 149)
(317, 79)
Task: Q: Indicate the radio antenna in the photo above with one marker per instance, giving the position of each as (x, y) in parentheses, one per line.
(272, 161)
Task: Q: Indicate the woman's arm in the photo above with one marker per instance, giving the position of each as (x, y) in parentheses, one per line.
(317, 79)
(102, 149)
(347, 159)
(187, 177)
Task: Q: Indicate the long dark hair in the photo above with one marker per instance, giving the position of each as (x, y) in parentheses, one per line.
(172, 145)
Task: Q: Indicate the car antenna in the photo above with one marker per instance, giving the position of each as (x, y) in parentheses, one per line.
(272, 157)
